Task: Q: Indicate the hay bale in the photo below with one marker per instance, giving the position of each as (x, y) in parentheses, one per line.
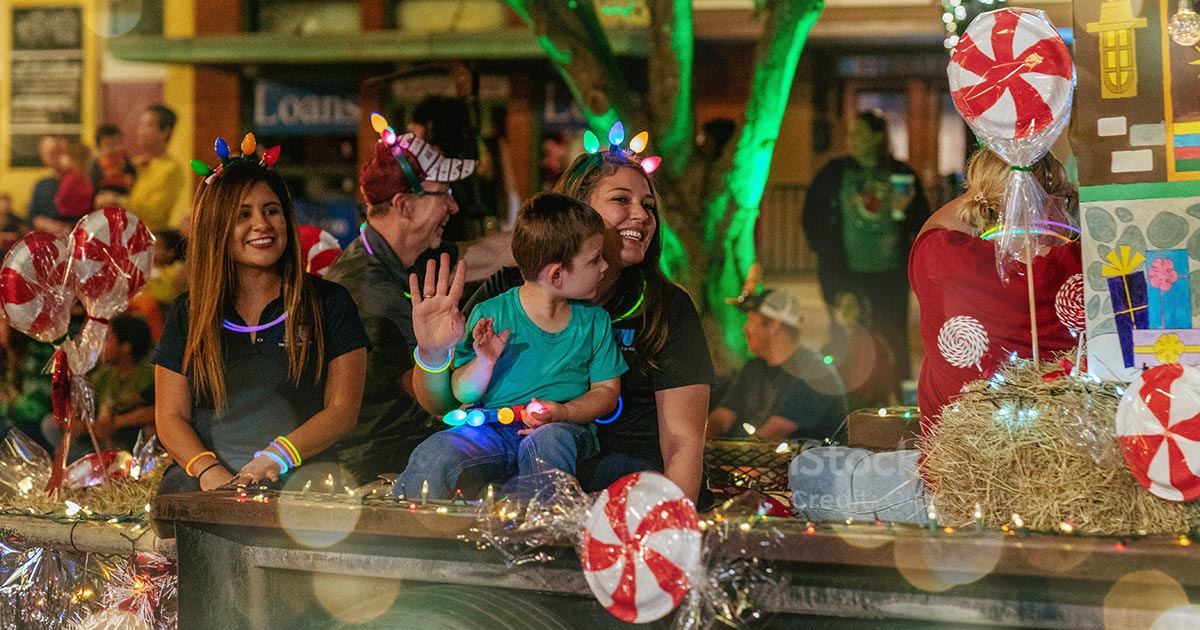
(1016, 444)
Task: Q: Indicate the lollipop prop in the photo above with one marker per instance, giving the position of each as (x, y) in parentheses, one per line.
(37, 296)
(641, 547)
(1158, 427)
(1068, 305)
(111, 255)
(320, 249)
(1012, 79)
(105, 262)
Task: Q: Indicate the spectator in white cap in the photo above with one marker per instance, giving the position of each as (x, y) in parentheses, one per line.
(785, 391)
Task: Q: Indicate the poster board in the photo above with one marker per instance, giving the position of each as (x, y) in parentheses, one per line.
(46, 87)
(1136, 138)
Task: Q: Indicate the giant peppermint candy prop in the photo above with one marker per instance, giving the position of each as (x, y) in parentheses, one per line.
(37, 293)
(111, 259)
(1158, 425)
(641, 547)
(1011, 77)
(320, 249)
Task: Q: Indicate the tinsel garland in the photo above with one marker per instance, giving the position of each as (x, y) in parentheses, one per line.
(53, 588)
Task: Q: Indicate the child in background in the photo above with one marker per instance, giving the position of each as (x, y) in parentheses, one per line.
(111, 171)
(166, 282)
(75, 193)
(167, 279)
(865, 363)
(124, 384)
(538, 350)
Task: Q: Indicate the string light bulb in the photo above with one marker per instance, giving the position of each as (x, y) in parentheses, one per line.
(1184, 26)
(378, 122)
(616, 135)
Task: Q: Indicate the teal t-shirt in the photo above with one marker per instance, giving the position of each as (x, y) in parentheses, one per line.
(558, 367)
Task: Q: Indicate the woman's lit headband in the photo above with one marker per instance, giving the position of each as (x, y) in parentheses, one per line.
(616, 135)
(435, 166)
(249, 146)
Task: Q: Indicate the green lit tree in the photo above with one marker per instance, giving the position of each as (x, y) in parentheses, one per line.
(711, 200)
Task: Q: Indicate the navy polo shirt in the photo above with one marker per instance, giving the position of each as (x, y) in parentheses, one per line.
(391, 423)
(262, 402)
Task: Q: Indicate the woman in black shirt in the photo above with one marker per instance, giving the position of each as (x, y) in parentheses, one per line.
(659, 424)
(261, 366)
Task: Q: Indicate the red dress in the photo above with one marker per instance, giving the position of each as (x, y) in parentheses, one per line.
(954, 274)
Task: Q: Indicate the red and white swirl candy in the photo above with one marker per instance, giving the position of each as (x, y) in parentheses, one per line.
(1068, 304)
(1011, 77)
(1158, 426)
(963, 341)
(36, 290)
(320, 249)
(641, 547)
(111, 259)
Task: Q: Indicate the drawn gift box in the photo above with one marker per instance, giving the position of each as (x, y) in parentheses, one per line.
(1170, 296)
(1127, 288)
(1158, 347)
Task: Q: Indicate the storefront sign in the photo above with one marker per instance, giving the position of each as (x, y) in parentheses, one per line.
(46, 78)
(291, 110)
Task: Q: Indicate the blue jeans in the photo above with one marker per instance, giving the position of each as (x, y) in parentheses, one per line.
(492, 451)
(836, 483)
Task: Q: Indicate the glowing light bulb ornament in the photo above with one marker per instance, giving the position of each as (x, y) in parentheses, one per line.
(616, 135)
(248, 146)
(455, 418)
(378, 122)
(590, 142)
(1184, 26)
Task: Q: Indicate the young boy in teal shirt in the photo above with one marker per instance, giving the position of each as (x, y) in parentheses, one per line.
(538, 364)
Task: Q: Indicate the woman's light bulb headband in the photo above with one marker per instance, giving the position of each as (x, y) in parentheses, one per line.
(248, 146)
(435, 166)
(616, 135)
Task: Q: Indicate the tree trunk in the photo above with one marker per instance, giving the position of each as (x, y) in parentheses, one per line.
(575, 43)
(730, 216)
(711, 197)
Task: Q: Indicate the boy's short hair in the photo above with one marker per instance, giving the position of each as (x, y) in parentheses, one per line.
(107, 130)
(134, 331)
(165, 115)
(551, 228)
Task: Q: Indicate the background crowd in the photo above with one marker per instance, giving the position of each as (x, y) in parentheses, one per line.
(861, 215)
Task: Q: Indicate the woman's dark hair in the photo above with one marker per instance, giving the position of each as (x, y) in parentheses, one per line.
(579, 181)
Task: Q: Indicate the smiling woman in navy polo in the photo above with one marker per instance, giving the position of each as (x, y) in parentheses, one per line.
(260, 367)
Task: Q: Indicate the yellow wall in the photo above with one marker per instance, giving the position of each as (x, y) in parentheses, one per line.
(179, 92)
(19, 181)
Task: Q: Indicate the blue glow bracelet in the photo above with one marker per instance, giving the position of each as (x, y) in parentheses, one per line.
(283, 467)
